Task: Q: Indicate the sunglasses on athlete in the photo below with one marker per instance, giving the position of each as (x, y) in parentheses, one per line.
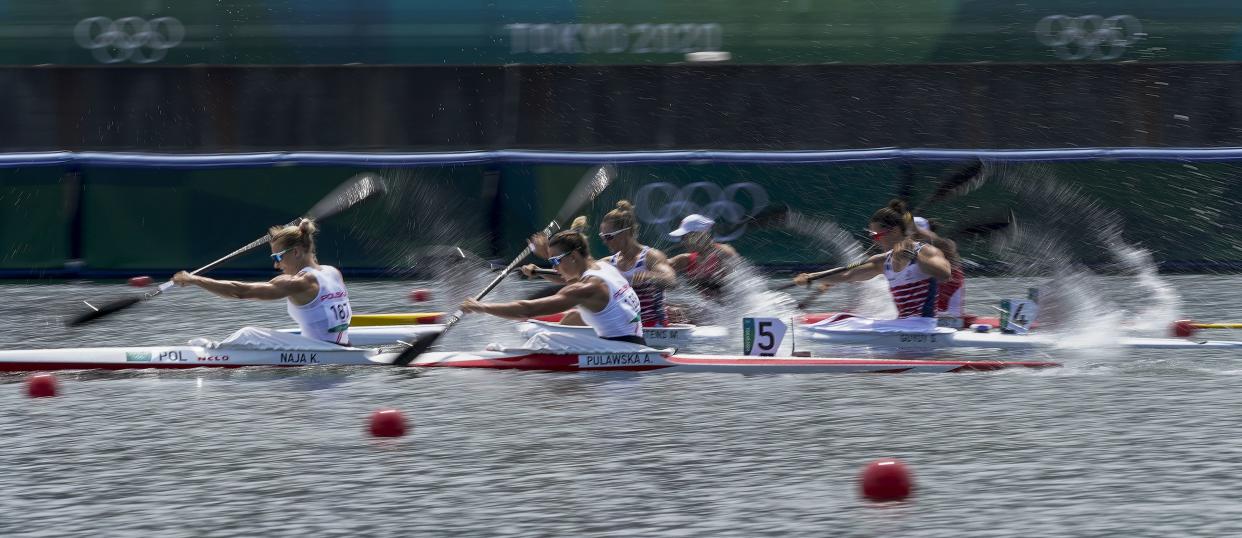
(556, 260)
(277, 256)
(609, 235)
(878, 235)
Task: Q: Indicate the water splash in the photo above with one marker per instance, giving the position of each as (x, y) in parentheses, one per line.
(869, 298)
(1068, 221)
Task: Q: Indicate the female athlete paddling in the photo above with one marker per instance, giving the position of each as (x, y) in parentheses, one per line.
(599, 292)
(951, 294)
(913, 268)
(707, 263)
(647, 269)
(317, 298)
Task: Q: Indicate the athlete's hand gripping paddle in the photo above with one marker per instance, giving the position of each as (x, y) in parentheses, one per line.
(594, 182)
(348, 194)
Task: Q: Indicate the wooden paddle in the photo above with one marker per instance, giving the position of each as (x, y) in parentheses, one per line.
(348, 194)
(594, 182)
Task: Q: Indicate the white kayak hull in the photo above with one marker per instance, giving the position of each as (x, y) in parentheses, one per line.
(174, 357)
(995, 340)
(180, 357)
(662, 362)
(384, 335)
(676, 335)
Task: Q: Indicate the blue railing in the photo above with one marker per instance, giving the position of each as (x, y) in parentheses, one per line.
(311, 158)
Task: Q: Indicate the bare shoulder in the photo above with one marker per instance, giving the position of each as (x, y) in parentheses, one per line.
(930, 250)
(656, 256)
(294, 283)
(583, 288)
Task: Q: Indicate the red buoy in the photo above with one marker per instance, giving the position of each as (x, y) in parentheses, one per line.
(387, 423)
(1184, 328)
(420, 295)
(41, 386)
(886, 480)
(141, 281)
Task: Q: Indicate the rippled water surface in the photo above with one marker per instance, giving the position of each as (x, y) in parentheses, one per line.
(1114, 444)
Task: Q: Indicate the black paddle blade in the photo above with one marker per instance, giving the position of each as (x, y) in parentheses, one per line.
(419, 347)
(98, 312)
(961, 182)
(978, 229)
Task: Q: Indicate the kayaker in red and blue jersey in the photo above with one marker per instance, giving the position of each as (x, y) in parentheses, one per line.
(602, 296)
(316, 295)
(951, 294)
(707, 263)
(914, 269)
(646, 268)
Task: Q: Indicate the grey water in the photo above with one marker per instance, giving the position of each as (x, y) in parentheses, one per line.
(1129, 443)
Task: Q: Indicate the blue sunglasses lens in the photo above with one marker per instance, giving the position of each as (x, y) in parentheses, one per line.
(556, 260)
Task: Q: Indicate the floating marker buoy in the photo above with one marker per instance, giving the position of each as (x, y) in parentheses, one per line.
(141, 281)
(41, 386)
(1184, 328)
(420, 295)
(387, 423)
(886, 480)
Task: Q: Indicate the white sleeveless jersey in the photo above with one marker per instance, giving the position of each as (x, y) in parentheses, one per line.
(621, 317)
(327, 316)
(913, 291)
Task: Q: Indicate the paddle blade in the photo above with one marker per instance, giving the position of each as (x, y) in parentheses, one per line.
(348, 194)
(959, 183)
(419, 347)
(594, 182)
(983, 229)
(95, 313)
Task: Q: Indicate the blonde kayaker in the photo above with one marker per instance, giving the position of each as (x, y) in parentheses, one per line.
(316, 296)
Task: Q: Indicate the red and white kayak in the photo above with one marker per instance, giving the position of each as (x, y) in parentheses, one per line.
(676, 335)
(180, 357)
(657, 361)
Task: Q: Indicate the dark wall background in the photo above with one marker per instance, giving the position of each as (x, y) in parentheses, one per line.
(236, 108)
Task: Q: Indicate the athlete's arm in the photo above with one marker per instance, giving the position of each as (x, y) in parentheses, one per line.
(679, 262)
(934, 263)
(659, 271)
(280, 287)
(867, 270)
(588, 294)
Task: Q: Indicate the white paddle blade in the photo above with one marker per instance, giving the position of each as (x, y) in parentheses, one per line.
(594, 182)
(347, 195)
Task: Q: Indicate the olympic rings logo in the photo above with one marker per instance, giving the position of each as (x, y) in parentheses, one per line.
(128, 38)
(1089, 37)
(663, 203)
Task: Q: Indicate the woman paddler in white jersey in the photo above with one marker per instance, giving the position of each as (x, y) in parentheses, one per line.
(913, 269)
(316, 294)
(601, 295)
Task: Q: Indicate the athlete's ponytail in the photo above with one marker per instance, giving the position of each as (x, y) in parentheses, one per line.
(300, 235)
(573, 238)
(894, 215)
(622, 217)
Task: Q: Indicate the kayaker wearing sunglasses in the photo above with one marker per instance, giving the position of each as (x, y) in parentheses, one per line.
(316, 294)
(601, 295)
(913, 269)
(646, 268)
